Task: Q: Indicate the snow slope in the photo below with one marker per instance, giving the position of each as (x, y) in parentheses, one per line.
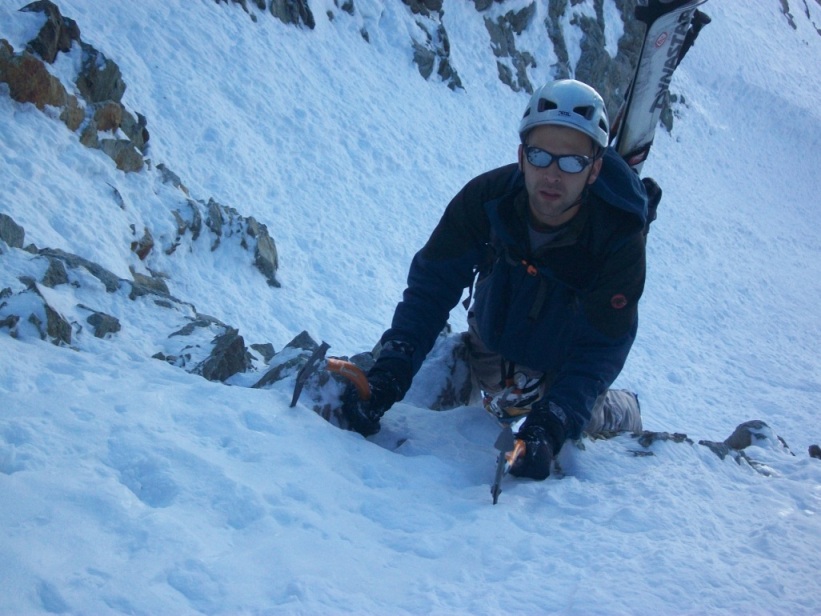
(131, 486)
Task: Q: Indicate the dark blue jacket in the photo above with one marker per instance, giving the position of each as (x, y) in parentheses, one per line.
(569, 310)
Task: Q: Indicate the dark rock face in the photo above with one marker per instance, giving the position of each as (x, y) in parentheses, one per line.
(287, 362)
(609, 75)
(99, 83)
(30, 82)
(56, 35)
(228, 357)
(10, 232)
(202, 345)
(503, 32)
(296, 12)
(103, 324)
(99, 80)
(432, 53)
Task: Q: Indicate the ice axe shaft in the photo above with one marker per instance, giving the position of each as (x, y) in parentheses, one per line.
(353, 373)
(512, 456)
(510, 449)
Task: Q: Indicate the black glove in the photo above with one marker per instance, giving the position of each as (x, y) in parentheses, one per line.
(389, 379)
(538, 456)
(363, 415)
(543, 433)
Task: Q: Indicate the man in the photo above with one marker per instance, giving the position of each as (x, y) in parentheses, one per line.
(558, 245)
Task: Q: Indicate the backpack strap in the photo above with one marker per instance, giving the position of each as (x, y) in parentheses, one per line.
(491, 247)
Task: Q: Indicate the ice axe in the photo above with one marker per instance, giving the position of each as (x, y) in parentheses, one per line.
(510, 449)
(341, 367)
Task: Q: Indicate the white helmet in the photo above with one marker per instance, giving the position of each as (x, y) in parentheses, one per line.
(568, 102)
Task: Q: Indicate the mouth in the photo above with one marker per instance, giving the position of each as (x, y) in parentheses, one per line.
(550, 195)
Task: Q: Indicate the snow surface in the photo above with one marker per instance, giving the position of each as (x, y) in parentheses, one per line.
(130, 486)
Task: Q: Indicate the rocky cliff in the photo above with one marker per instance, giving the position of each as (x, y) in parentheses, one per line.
(593, 40)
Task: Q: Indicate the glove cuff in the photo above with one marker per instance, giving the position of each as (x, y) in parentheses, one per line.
(395, 361)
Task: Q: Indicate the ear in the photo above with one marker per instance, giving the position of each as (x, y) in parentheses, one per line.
(521, 158)
(595, 169)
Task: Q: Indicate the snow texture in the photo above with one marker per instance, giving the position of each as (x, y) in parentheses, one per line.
(133, 487)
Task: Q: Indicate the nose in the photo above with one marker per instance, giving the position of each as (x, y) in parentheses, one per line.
(552, 171)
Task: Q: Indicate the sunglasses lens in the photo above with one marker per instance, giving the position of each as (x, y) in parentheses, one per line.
(572, 164)
(539, 158)
(569, 163)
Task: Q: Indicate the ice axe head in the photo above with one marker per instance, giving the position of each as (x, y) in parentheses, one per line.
(311, 366)
(341, 367)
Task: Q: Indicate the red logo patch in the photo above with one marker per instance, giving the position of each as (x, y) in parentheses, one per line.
(661, 39)
(618, 301)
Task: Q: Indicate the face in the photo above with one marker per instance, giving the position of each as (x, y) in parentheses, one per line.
(552, 193)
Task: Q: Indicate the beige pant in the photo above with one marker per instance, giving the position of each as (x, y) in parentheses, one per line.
(615, 410)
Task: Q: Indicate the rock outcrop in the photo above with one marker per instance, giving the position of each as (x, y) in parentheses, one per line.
(92, 106)
(574, 28)
(98, 112)
(104, 123)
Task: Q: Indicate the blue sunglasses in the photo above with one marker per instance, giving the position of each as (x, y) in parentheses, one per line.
(569, 163)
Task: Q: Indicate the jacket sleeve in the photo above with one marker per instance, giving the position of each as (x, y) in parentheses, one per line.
(434, 287)
(605, 328)
(440, 272)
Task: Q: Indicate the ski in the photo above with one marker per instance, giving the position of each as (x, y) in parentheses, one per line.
(671, 28)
